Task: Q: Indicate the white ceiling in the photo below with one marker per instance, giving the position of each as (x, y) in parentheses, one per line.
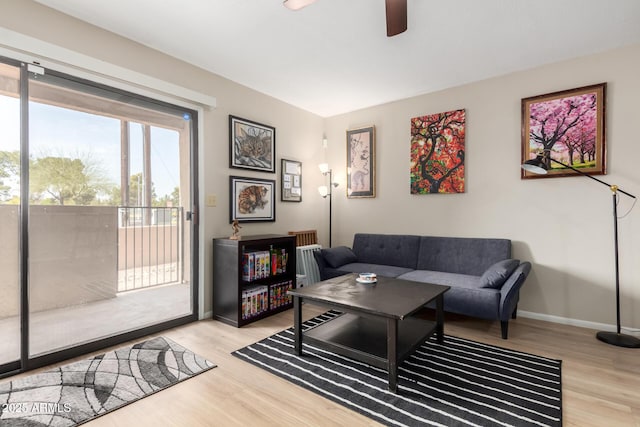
(334, 57)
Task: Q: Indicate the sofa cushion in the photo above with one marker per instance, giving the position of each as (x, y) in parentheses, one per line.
(398, 250)
(470, 256)
(380, 270)
(338, 256)
(495, 276)
(465, 296)
(442, 278)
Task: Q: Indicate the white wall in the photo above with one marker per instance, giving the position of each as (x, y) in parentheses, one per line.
(564, 226)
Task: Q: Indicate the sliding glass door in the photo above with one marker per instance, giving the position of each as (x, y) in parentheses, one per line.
(107, 231)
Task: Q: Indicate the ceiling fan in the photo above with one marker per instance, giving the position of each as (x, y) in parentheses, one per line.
(396, 13)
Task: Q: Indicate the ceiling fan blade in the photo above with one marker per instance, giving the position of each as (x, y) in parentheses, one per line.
(396, 17)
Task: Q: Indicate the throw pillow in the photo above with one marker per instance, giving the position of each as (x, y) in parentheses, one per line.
(339, 256)
(495, 276)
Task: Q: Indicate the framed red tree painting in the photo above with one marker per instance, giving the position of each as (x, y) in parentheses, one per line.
(567, 126)
(437, 153)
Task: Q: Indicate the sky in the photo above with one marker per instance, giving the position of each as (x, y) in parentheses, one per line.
(61, 132)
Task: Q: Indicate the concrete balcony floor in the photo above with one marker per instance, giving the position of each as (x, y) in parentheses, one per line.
(61, 328)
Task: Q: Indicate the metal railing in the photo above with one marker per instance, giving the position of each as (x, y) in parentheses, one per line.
(150, 247)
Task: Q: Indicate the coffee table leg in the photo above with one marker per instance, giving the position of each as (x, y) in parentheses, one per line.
(392, 353)
(440, 318)
(297, 324)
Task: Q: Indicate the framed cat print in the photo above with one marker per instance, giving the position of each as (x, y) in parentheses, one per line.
(252, 199)
(251, 145)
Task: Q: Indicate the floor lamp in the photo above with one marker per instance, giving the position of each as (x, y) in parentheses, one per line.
(539, 166)
(326, 191)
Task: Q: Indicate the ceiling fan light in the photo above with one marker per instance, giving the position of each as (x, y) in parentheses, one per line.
(296, 4)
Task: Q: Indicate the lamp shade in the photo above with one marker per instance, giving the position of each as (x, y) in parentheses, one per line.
(323, 190)
(324, 168)
(297, 4)
(536, 166)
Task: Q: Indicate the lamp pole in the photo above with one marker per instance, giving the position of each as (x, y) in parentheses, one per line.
(327, 191)
(614, 338)
(330, 197)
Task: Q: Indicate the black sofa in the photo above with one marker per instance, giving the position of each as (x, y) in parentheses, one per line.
(485, 281)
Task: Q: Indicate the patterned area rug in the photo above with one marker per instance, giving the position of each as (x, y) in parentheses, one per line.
(457, 383)
(76, 393)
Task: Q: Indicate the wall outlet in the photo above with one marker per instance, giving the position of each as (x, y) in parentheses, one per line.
(212, 200)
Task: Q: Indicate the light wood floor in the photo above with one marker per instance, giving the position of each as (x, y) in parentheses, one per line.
(601, 383)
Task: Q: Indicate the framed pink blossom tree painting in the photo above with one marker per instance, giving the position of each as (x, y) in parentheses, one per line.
(567, 126)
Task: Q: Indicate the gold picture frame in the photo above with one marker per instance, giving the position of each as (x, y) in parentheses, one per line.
(568, 126)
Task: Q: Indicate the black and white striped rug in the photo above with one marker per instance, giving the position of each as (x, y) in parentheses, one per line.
(458, 383)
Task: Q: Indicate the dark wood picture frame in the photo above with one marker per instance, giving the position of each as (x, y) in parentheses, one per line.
(291, 181)
(570, 127)
(361, 162)
(252, 145)
(252, 199)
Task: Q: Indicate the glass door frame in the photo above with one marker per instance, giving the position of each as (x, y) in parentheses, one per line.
(15, 366)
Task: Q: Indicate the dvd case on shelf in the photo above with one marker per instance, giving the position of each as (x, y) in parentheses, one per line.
(262, 264)
(278, 294)
(255, 301)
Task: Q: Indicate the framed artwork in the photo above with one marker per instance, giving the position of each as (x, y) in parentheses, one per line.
(291, 172)
(437, 153)
(252, 199)
(251, 145)
(361, 166)
(568, 126)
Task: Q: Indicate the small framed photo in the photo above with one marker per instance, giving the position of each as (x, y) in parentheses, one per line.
(291, 190)
(361, 166)
(251, 145)
(252, 199)
(568, 127)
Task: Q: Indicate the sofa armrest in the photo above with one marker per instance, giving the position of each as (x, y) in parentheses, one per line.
(510, 291)
(325, 270)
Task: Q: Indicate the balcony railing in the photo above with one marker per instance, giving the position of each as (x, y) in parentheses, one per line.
(150, 247)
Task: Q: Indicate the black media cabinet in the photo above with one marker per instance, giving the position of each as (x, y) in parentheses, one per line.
(251, 277)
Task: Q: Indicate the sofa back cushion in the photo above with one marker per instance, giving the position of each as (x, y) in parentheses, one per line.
(461, 255)
(399, 250)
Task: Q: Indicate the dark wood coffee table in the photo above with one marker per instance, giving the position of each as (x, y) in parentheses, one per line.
(378, 327)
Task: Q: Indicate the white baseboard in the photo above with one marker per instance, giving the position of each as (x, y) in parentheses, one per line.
(579, 323)
(547, 318)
